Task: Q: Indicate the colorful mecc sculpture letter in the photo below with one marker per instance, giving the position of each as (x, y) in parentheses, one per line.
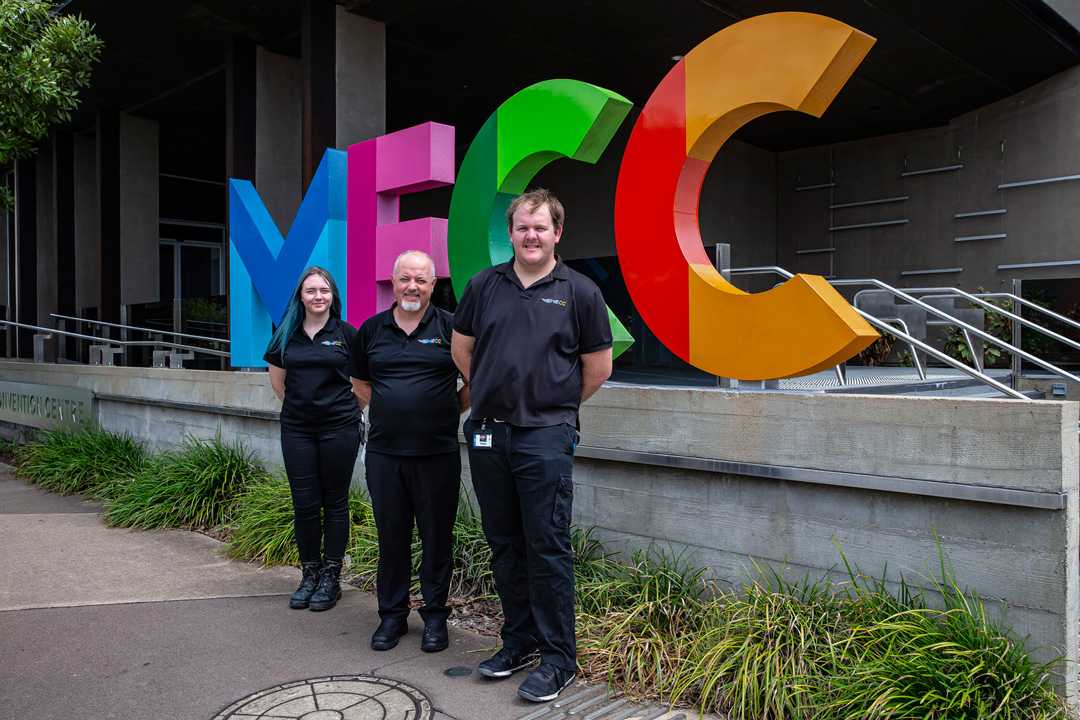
(348, 220)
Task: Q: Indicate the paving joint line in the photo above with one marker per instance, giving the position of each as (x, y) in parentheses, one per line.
(140, 602)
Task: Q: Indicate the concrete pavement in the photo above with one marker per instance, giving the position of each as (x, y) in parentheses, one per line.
(99, 622)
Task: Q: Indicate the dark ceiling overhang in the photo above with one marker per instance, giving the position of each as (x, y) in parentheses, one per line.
(454, 61)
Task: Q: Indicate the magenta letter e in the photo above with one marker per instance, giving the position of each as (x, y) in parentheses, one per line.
(380, 171)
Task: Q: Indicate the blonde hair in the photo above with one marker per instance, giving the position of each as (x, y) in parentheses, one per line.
(533, 199)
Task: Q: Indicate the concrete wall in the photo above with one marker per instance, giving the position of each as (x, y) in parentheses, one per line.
(1023, 560)
(139, 229)
(1031, 135)
(46, 236)
(278, 108)
(87, 222)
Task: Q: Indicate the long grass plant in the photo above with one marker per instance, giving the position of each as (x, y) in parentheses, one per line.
(198, 486)
(85, 460)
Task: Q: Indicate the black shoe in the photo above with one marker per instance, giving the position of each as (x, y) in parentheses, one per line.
(506, 662)
(387, 634)
(436, 637)
(308, 583)
(545, 683)
(329, 590)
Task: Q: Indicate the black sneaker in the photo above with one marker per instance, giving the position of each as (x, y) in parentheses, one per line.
(506, 662)
(545, 683)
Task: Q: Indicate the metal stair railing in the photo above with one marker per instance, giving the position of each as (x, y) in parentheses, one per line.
(111, 342)
(973, 298)
(985, 336)
(841, 370)
(910, 340)
(151, 331)
(1033, 306)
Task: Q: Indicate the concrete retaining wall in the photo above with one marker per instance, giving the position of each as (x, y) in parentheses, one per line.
(789, 479)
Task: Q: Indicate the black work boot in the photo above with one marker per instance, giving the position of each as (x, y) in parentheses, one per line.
(329, 590)
(308, 583)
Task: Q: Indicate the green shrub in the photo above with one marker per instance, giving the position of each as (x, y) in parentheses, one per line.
(262, 527)
(87, 460)
(947, 662)
(816, 650)
(472, 556)
(196, 487)
(757, 653)
(640, 620)
(263, 524)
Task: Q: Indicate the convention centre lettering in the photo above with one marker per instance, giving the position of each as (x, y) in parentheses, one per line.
(348, 220)
(44, 406)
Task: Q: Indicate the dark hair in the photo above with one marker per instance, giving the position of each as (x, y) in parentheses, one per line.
(294, 312)
(533, 199)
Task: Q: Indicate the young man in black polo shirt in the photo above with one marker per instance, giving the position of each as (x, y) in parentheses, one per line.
(532, 339)
(402, 368)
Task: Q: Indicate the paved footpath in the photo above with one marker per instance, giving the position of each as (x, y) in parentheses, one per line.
(106, 623)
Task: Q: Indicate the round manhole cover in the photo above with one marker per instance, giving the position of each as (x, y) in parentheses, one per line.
(340, 697)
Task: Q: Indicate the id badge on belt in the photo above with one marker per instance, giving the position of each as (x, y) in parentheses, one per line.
(481, 439)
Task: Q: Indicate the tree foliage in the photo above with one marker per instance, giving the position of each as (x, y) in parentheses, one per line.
(45, 60)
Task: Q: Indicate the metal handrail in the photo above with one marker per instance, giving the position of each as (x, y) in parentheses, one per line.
(51, 330)
(122, 343)
(140, 329)
(960, 324)
(1033, 306)
(914, 355)
(948, 360)
(954, 292)
(881, 325)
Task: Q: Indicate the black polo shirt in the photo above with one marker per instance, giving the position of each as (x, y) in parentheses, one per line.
(318, 391)
(414, 402)
(526, 366)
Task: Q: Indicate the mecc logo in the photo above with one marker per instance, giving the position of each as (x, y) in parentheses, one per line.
(349, 223)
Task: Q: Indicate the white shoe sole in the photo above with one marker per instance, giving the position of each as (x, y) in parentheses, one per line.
(546, 698)
(526, 662)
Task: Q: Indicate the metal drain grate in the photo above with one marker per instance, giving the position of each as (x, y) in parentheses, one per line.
(339, 697)
(599, 703)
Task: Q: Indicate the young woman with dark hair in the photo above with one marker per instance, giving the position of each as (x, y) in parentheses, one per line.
(320, 430)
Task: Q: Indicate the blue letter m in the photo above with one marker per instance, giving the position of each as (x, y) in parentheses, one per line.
(264, 267)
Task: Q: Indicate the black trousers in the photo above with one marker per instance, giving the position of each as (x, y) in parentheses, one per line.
(319, 464)
(525, 488)
(405, 489)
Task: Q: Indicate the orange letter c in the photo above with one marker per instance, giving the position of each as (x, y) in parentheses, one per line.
(780, 61)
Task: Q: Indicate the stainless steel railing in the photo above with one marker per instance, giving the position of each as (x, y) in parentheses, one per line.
(111, 342)
(153, 331)
(983, 335)
(915, 342)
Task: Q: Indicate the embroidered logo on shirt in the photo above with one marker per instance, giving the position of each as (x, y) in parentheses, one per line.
(333, 343)
(432, 341)
(553, 301)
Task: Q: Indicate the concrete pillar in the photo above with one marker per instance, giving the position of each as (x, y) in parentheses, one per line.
(64, 220)
(240, 124)
(317, 46)
(7, 267)
(25, 253)
(279, 103)
(87, 221)
(359, 78)
(108, 179)
(139, 235)
(45, 260)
